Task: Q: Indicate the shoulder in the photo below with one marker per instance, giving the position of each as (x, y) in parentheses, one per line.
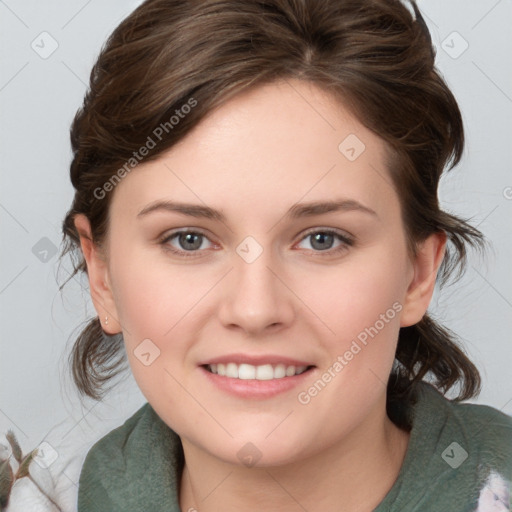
(113, 443)
(489, 435)
(486, 425)
(481, 431)
(489, 421)
(459, 455)
(135, 466)
(108, 455)
(490, 432)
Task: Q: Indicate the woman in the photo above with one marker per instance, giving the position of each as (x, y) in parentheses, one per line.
(256, 210)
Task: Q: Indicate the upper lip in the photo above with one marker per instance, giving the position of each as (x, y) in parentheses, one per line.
(255, 360)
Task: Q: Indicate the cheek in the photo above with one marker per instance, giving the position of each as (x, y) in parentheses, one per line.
(360, 302)
(354, 295)
(151, 296)
(149, 306)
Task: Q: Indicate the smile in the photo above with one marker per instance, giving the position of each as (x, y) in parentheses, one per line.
(249, 372)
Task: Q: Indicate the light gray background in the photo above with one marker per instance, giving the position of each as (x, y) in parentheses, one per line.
(38, 99)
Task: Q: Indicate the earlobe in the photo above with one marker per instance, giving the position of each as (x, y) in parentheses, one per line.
(98, 275)
(430, 254)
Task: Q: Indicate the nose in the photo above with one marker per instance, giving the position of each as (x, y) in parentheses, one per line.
(256, 297)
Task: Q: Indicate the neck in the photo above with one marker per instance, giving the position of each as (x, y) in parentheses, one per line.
(353, 475)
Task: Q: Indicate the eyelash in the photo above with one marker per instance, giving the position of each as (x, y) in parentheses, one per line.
(346, 242)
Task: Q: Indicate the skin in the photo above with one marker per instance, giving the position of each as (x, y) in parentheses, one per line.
(253, 158)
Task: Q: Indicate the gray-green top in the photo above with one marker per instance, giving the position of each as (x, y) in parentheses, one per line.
(459, 459)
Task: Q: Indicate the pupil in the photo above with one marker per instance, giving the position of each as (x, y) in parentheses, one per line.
(186, 239)
(321, 238)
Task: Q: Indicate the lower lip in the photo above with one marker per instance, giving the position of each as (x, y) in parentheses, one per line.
(254, 388)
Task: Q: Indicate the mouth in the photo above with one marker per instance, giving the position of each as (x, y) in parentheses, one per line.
(256, 376)
(246, 371)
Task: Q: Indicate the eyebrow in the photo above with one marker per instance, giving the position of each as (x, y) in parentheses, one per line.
(297, 211)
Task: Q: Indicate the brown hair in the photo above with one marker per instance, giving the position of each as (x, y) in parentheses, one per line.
(376, 56)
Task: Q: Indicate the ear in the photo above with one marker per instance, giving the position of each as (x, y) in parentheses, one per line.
(99, 279)
(426, 264)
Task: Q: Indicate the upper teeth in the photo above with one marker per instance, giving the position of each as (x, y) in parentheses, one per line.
(248, 371)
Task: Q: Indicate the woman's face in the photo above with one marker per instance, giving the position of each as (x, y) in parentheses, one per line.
(263, 284)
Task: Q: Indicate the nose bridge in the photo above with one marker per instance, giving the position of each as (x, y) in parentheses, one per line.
(257, 298)
(252, 270)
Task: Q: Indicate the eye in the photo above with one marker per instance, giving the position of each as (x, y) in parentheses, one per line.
(322, 240)
(189, 242)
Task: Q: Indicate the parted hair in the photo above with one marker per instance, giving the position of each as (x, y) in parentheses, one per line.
(375, 56)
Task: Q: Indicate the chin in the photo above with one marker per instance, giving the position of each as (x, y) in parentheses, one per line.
(258, 450)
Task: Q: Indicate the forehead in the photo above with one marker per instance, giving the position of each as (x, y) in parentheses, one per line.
(264, 150)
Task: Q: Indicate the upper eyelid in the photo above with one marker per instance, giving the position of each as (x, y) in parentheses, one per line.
(172, 234)
(336, 231)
